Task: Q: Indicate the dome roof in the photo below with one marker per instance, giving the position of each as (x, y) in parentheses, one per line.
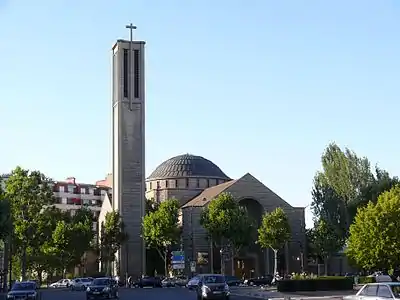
(187, 165)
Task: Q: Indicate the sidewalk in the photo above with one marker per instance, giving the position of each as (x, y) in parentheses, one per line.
(271, 294)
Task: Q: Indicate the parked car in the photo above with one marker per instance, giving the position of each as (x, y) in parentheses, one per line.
(168, 282)
(23, 290)
(181, 281)
(193, 282)
(102, 288)
(212, 286)
(232, 280)
(148, 281)
(387, 291)
(262, 280)
(80, 284)
(62, 283)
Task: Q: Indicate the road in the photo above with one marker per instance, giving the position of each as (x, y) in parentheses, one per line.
(132, 294)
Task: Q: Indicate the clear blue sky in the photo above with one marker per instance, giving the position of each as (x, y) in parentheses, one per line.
(256, 86)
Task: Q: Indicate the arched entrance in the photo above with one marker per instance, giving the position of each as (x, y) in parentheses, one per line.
(250, 262)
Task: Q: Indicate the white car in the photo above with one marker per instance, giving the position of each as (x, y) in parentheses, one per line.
(80, 284)
(377, 291)
(62, 283)
(193, 283)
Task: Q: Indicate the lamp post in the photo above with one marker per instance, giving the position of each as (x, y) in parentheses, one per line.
(221, 254)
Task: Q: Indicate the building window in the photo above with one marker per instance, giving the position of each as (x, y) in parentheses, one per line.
(151, 186)
(158, 185)
(86, 201)
(166, 183)
(208, 183)
(61, 189)
(83, 190)
(176, 183)
(71, 189)
(198, 183)
(91, 191)
(187, 182)
(136, 80)
(64, 200)
(126, 73)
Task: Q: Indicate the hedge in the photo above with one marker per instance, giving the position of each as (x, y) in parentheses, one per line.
(318, 284)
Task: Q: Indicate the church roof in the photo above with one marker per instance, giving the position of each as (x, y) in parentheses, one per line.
(208, 194)
(187, 165)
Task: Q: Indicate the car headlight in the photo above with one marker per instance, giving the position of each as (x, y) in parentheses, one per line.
(205, 289)
(10, 296)
(88, 289)
(226, 287)
(106, 289)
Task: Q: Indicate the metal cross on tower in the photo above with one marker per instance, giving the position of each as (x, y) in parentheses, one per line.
(131, 28)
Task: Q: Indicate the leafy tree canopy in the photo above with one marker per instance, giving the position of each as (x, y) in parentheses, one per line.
(227, 223)
(373, 241)
(112, 237)
(274, 231)
(160, 227)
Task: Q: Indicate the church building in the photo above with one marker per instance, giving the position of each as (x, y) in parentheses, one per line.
(195, 181)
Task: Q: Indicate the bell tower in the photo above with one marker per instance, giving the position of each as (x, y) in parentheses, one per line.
(128, 149)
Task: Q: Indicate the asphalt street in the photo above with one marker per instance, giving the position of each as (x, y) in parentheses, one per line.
(132, 294)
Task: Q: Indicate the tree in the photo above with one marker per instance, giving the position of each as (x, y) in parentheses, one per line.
(161, 230)
(311, 247)
(327, 241)
(27, 192)
(373, 241)
(111, 239)
(70, 239)
(274, 232)
(227, 224)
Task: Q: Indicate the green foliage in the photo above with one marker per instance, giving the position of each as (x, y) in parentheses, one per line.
(373, 242)
(111, 239)
(326, 239)
(274, 231)
(160, 228)
(227, 223)
(70, 240)
(27, 192)
(311, 247)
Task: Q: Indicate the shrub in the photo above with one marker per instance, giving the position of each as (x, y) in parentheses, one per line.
(366, 279)
(328, 283)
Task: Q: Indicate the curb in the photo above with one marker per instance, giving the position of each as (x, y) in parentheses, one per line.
(261, 296)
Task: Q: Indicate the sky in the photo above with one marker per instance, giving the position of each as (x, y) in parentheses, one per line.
(255, 86)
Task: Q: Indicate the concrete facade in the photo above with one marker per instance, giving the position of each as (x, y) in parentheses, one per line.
(128, 150)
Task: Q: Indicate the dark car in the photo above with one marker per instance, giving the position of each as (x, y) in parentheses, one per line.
(232, 280)
(263, 280)
(102, 288)
(212, 286)
(148, 281)
(23, 290)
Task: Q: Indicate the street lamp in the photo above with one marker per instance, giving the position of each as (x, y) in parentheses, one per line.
(221, 254)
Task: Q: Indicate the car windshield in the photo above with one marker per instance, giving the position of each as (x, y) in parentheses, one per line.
(396, 291)
(23, 286)
(85, 279)
(214, 279)
(101, 281)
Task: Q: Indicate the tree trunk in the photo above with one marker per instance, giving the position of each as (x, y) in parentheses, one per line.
(23, 264)
(275, 261)
(326, 259)
(166, 264)
(7, 254)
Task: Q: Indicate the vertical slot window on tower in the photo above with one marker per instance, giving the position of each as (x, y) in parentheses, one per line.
(136, 74)
(126, 73)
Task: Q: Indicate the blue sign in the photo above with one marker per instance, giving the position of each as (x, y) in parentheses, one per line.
(177, 257)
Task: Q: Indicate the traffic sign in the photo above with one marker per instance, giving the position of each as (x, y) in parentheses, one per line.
(178, 266)
(177, 257)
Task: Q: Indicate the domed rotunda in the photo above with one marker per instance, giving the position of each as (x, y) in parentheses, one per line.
(183, 177)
